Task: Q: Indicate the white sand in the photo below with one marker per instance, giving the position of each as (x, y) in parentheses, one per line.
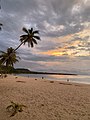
(45, 100)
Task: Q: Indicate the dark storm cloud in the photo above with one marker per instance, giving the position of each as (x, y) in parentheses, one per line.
(34, 13)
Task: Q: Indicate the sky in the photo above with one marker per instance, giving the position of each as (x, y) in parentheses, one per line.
(64, 27)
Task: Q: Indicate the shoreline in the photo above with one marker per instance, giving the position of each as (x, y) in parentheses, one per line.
(17, 77)
(67, 78)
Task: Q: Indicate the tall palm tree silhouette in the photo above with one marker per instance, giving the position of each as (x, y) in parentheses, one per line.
(0, 22)
(1, 26)
(30, 37)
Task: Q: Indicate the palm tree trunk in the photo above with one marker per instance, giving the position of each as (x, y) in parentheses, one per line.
(18, 47)
(12, 53)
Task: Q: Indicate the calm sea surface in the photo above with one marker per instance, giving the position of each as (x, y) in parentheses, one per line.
(72, 78)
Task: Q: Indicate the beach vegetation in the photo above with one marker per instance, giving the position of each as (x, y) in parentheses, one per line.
(14, 108)
(5, 70)
(51, 81)
(9, 57)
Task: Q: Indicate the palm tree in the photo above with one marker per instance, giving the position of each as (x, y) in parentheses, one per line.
(30, 37)
(1, 23)
(11, 57)
(1, 26)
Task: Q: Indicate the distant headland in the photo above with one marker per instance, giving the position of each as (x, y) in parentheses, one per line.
(4, 69)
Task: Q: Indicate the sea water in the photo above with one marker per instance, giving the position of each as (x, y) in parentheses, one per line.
(72, 78)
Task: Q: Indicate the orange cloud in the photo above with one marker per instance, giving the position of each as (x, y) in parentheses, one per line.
(71, 47)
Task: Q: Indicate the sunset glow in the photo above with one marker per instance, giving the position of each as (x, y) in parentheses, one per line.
(73, 48)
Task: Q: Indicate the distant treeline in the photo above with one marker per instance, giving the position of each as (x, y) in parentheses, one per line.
(10, 70)
(4, 69)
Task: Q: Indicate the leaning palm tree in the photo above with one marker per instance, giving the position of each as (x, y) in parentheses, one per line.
(1, 23)
(30, 37)
(1, 26)
(9, 57)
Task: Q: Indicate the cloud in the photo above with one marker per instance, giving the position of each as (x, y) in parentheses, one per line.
(55, 15)
(64, 27)
(75, 65)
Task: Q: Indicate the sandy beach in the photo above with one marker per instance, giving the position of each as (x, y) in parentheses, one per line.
(45, 100)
